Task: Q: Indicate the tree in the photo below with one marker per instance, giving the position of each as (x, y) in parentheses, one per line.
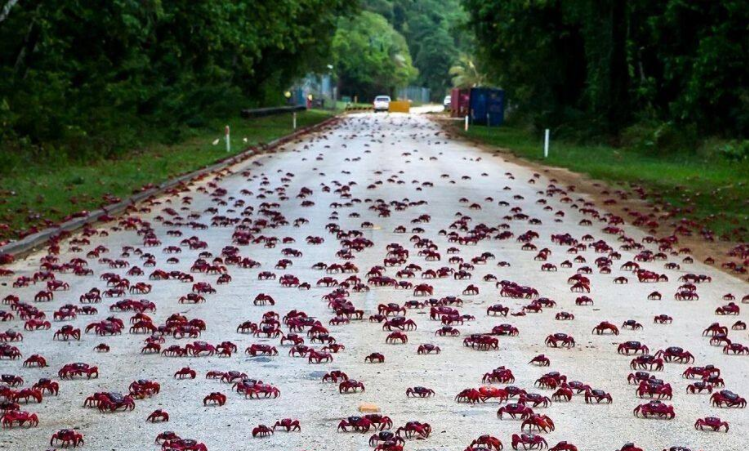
(371, 58)
(82, 76)
(465, 74)
(602, 64)
(432, 29)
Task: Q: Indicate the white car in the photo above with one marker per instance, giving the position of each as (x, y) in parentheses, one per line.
(381, 103)
(447, 103)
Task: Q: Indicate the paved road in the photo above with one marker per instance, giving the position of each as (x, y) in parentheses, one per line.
(404, 165)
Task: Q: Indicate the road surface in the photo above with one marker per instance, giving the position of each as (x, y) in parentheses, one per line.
(405, 165)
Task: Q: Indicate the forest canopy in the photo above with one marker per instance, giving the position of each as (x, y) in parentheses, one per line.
(598, 66)
(82, 77)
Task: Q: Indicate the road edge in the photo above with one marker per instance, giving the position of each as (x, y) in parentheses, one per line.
(30, 243)
(700, 250)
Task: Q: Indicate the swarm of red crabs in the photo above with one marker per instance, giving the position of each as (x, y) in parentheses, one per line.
(445, 300)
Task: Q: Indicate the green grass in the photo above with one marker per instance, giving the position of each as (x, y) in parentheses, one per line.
(38, 192)
(712, 191)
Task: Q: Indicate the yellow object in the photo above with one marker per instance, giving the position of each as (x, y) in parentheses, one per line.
(400, 106)
(368, 407)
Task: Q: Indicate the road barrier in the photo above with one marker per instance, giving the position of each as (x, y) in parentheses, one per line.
(400, 106)
(260, 112)
(356, 109)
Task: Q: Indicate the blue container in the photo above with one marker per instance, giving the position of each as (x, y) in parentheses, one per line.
(297, 97)
(487, 106)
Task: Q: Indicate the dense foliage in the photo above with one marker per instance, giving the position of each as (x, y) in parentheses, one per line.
(82, 78)
(371, 58)
(601, 65)
(432, 30)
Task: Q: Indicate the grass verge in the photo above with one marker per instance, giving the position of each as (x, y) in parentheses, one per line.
(39, 194)
(711, 191)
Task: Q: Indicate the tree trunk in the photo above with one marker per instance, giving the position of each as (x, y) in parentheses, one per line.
(29, 44)
(6, 10)
(618, 70)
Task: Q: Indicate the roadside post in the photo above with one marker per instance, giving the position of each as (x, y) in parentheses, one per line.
(466, 125)
(228, 141)
(546, 144)
(294, 119)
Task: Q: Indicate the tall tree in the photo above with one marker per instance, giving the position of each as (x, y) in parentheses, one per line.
(82, 73)
(371, 58)
(600, 64)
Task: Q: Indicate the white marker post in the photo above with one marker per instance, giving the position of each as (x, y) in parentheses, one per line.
(294, 119)
(228, 141)
(466, 126)
(546, 144)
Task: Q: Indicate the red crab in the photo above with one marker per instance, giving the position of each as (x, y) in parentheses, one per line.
(699, 387)
(420, 392)
(67, 437)
(35, 361)
(598, 396)
(27, 393)
(499, 375)
(701, 372)
(143, 388)
(261, 431)
(485, 442)
(726, 398)
(67, 332)
(560, 340)
(397, 337)
(605, 327)
(158, 416)
(17, 416)
(71, 370)
(11, 380)
(215, 398)
(655, 387)
(428, 349)
(185, 372)
(415, 429)
(112, 402)
(359, 424)
(675, 353)
(529, 441)
(289, 424)
(261, 349)
(631, 325)
(655, 409)
(629, 447)
(647, 361)
(515, 410)
(540, 360)
(350, 385)
(563, 446)
(183, 444)
(632, 347)
(713, 423)
(542, 422)
(334, 376)
(736, 348)
(380, 422)
(562, 394)
(469, 395)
